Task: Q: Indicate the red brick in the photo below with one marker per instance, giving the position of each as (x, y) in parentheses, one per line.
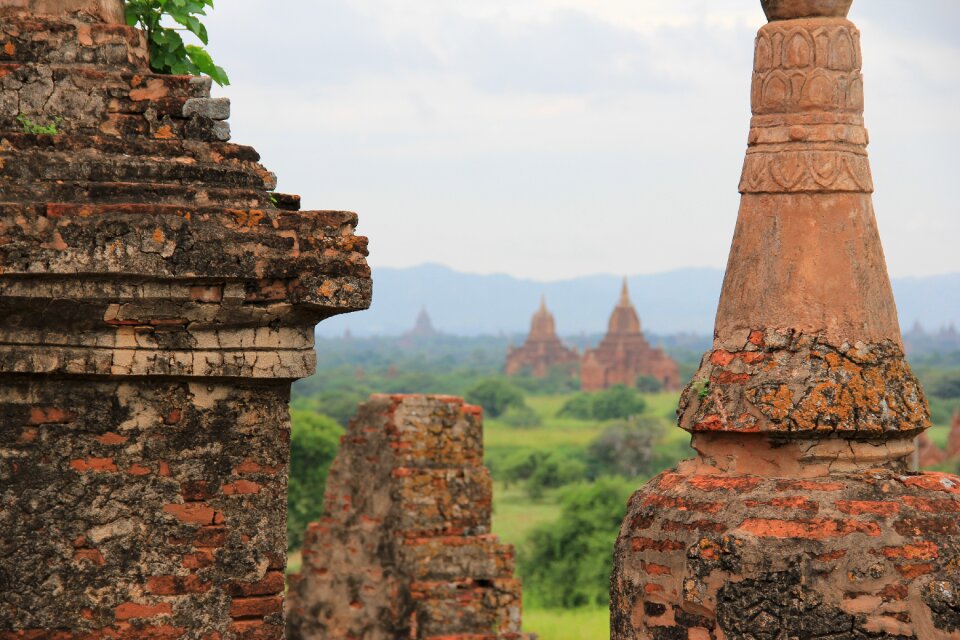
(682, 504)
(28, 435)
(256, 630)
(99, 465)
(198, 559)
(912, 571)
(173, 417)
(932, 505)
(138, 470)
(861, 507)
(696, 525)
(723, 483)
(240, 487)
(271, 584)
(934, 482)
(176, 585)
(655, 569)
(51, 415)
(728, 377)
(130, 610)
(111, 438)
(752, 357)
(756, 338)
(919, 551)
(808, 529)
(648, 544)
(195, 490)
(795, 502)
(194, 513)
(809, 485)
(721, 358)
(88, 555)
(255, 607)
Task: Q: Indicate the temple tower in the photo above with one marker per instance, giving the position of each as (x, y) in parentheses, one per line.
(800, 516)
(156, 301)
(542, 350)
(624, 353)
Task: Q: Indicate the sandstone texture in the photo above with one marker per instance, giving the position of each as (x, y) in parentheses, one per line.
(404, 548)
(542, 350)
(801, 516)
(624, 354)
(156, 301)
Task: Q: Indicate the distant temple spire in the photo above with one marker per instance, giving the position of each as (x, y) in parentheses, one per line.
(423, 327)
(542, 350)
(624, 355)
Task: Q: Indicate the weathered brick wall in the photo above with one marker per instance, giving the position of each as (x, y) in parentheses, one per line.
(404, 549)
(155, 304)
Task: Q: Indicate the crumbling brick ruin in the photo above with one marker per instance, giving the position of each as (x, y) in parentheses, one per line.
(543, 350)
(624, 354)
(800, 517)
(404, 548)
(930, 455)
(156, 303)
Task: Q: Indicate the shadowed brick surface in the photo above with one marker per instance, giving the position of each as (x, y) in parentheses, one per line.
(155, 304)
(404, 548)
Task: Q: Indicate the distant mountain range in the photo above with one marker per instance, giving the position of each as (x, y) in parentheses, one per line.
(682, 301)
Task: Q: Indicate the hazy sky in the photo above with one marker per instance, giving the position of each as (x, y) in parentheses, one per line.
(556, 138)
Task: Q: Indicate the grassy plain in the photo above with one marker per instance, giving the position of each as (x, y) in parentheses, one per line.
(515, 513)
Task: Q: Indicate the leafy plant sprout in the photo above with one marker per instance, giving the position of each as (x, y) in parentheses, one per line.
(29, 126)
(703, 390)
(168, 52)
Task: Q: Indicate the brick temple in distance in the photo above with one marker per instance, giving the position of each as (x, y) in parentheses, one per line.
(624, 355)
(801, 516)
(543, 350)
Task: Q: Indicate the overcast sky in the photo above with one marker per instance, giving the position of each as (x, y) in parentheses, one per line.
(557, 138)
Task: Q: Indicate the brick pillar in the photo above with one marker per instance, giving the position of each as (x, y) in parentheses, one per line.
(800, 516)
(156, 301)
(404, 548)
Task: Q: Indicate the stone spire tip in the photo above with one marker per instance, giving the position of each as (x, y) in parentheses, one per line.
(795, 9)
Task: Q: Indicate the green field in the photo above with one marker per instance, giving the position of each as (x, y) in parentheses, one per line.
(579, 624)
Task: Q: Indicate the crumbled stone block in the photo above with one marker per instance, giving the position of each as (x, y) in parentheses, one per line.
(213, 108)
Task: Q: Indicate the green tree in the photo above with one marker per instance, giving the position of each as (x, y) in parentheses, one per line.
(626, 448)
(617, 402)
(648, 384)
(495, 395)
(555, 470)
(168, 52)
(580, 406)
(314, 441)
(566, 564)
(610, 404)
(521, 417)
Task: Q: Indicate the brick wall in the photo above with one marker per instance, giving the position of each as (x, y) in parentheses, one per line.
(404, 548)
(156, 301)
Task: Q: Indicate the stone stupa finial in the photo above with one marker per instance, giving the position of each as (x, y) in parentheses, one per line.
(794, 9)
